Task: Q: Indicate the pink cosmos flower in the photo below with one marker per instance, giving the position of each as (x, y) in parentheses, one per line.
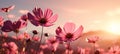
(81, 50)
(69, 33)
(114, 50)
(52, 43)
(44, 19)
(13, 26)
(92, 39)
(11, 46)
(7, 9)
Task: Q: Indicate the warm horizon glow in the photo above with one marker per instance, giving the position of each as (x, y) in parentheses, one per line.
(113, 27)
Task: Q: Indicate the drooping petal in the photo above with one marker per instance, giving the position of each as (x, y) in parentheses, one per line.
(48, 13)
(7, 27)
(69, 27)
(78, 32)
(53, 18)
(38, 12)
(32, 19)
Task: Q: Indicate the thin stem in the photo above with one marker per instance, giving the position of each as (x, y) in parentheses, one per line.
(68, 47)
(41, 35)
(1, 32)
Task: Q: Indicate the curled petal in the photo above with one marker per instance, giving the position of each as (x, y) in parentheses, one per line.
(69, 27)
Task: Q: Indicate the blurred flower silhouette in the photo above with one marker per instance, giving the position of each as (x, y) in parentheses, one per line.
(92, 39)
(39, 18)
(11, 46)
(69, 33)
(52, 44)
(7, 9)
(13, 26)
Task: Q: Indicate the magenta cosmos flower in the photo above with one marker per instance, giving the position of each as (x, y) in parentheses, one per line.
(68, 33)
(13, 26)
(44, 19)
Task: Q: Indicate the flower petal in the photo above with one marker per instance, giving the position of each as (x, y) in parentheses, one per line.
(38, 12)
(32, 19)
(78, 32)
(7, 26)
(48, 13)
(58, 30)
(53, 18)
(69, 27)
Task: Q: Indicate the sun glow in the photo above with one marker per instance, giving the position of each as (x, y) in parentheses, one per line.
(114, 27)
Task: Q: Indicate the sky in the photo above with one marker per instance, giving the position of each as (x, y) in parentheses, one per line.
(92, 14)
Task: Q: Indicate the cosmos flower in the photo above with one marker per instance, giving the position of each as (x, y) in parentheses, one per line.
(13, 26)
(7, 9)
(92, 39)
(52, 43)
(114, 50)
(69, 33)
(11, 46)
(44, 19)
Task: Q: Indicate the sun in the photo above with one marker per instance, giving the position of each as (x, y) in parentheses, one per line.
(113, 27)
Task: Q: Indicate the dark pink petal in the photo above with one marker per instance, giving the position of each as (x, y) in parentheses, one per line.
(79, 31)
(32, 19)
(53, 18)
(23, 24)
(7, 26)
(48, 13)
(69, 27)
(16, 25)
(24, 17)
(38, 13)
(58, 30)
